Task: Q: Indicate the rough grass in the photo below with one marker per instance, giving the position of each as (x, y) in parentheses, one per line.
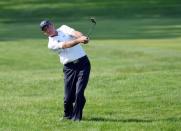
(134, 85)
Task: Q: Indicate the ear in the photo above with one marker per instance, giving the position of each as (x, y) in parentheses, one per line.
(45, 33)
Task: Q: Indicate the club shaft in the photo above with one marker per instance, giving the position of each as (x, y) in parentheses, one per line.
(91, 30)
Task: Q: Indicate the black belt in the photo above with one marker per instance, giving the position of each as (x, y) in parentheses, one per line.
(77, 60)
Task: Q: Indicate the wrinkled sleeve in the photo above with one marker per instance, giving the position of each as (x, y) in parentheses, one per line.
(54, 45)
(67, 30)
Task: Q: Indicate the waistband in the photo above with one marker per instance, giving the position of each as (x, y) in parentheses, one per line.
(77, 60)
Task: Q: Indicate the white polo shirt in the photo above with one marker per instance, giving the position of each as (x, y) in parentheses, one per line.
(66, 55)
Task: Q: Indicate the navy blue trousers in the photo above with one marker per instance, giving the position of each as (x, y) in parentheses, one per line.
(76, 76)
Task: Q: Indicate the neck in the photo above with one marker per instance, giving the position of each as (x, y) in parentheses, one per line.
(54, 34)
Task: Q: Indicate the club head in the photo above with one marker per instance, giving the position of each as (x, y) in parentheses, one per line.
(93, 20)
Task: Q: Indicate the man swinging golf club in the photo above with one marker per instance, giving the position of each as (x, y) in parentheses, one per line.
(67, 43)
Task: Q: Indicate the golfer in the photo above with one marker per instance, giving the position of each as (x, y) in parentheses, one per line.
(67, 43)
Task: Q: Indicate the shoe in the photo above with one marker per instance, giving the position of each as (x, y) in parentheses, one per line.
(75, 119)
(65, 119)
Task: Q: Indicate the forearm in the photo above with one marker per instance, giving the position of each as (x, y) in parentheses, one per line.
(77, 34)
(70, 43)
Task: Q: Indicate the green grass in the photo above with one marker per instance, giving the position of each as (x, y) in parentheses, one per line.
(134, 85)
(33, 10)
(139, 28)
(135, 54)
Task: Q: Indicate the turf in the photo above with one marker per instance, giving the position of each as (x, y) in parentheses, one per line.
(134, 84)
(135, 76)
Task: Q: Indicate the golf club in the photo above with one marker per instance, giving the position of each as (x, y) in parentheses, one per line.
(92, 27)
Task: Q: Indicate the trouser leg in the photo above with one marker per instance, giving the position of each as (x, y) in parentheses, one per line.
(69, 91)
(83, 77)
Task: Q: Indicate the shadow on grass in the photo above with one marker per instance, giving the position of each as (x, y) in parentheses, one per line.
(102, 119)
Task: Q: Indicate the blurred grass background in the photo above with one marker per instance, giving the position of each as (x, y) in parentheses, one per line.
(36, 9)
(117, 19)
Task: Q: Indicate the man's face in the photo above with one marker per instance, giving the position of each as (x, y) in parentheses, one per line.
(49, 30)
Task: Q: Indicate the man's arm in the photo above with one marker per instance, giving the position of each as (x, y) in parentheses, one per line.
(79, 39)
(55, 45)
(77, 34)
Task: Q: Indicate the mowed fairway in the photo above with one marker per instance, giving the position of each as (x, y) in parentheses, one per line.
(134, 85)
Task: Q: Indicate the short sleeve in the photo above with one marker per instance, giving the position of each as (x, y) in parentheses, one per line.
(55, 45)
(66, 29)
